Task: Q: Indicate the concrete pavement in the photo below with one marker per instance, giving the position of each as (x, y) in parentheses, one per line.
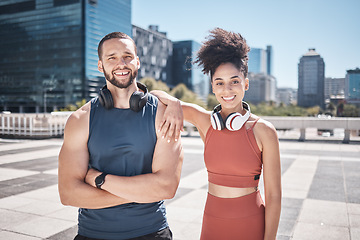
(320, 179)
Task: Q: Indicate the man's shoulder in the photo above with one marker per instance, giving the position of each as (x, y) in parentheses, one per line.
(80, 115)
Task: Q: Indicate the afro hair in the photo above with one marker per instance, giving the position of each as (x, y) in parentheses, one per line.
(221, 47)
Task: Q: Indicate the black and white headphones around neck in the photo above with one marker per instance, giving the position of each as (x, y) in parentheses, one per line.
(233, 122)
(137, 100)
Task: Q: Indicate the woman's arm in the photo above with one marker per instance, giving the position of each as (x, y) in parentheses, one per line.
(176, 112)
(272, 176)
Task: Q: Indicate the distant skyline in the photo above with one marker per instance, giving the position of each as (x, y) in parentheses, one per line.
(291, 27)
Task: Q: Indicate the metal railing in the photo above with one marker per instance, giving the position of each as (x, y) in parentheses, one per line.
(48, 125)
(302, 123)
(32, 125)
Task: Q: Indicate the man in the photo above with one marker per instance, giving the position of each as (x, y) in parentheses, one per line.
(114, 164)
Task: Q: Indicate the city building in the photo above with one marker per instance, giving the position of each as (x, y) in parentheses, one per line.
(262, 82)
(311, 69)
(262, 88)
(185, 72)
(287, 96)
(155, 52)
(48, 56)
(352, 86)
(334, 89)
(260, 60)
(269, 56)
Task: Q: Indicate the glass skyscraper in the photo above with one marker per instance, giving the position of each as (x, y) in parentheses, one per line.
(260, 60)
(48, 50)
(262, 82)
(352, 86)
(311, 78)
(184, 52)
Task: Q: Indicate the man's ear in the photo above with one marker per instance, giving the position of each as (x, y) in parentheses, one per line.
(100, 66)
(138, 62)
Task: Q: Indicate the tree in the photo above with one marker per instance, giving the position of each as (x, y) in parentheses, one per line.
(351, 111)
(211, 101)
(72, 107)
(340, 109)
(313, 111)
(331, 109)
(152, 84)
(182, 93)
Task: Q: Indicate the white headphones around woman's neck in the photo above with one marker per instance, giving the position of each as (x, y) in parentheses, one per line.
(233, 122)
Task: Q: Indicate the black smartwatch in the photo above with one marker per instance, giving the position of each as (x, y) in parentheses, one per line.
(100, 180)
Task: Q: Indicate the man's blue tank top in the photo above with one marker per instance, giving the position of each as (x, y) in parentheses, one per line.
(122, 142)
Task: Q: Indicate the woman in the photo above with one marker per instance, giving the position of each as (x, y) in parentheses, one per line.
(238, 147)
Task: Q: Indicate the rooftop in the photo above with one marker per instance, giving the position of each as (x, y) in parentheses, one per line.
(311, 52)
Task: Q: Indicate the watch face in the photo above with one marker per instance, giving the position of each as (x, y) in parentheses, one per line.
(99, 180)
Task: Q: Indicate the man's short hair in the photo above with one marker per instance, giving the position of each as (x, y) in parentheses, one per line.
(112, 35)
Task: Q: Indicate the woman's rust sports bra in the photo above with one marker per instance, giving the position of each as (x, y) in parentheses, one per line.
(233, 159)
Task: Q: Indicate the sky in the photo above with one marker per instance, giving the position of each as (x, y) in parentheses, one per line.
(291, 27)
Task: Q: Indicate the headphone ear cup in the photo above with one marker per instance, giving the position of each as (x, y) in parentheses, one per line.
(105, 98)
(216, 121)
(135, 101)
(138, 99)
(235, 121)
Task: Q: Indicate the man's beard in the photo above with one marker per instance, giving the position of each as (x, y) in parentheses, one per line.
(113, 81)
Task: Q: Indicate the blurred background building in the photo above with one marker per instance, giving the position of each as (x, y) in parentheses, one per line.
(155, 52)
(185, 72)
(287, 96)
(260, 60)
(262, 82)
(311, 70)
(48, 56)
(48, 59)
(352, 86)
(334, 90)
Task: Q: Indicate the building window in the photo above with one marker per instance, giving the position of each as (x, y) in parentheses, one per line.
(163, 78)
(64, 2)
(142, 72)
(17, 7)
(145, 50)
(163, 62)
(153, 60)
(93, 2)
(151, 38)
(157, 74)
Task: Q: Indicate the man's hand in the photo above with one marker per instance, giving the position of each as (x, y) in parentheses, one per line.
(172, 122)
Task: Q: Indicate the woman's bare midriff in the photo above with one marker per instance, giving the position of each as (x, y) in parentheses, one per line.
(229, 192)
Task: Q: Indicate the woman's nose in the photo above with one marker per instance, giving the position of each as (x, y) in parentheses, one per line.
(228, 87)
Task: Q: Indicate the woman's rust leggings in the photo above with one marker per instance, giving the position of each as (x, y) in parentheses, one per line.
(234, 218)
